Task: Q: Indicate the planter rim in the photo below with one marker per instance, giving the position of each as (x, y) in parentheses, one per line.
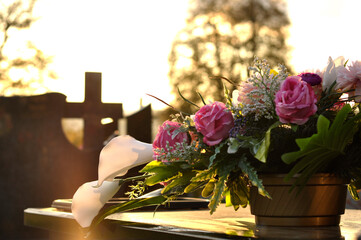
(316, 179)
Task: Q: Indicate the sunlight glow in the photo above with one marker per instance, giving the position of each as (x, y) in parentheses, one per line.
(321, 29)
(129, 42)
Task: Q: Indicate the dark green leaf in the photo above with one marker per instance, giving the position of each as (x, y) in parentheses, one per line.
(247, 169)
(201, 98)
(127, 206)
(178, 184)
(180, 94)
(261, 149)
(321, 148)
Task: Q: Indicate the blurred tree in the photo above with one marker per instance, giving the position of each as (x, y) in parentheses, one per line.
(221, 38)
(22, 68)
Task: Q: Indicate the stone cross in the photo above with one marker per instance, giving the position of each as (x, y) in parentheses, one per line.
(93, 110)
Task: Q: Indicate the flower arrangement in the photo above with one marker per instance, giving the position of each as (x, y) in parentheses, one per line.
(272, 123)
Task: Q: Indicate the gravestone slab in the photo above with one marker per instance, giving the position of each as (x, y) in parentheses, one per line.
(37, 162)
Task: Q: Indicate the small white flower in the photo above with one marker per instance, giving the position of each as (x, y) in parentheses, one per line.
(235, 101)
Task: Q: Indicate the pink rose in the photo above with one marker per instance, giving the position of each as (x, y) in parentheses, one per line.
(213, 121)
(295, 101)
(350, 78)
(165, 136)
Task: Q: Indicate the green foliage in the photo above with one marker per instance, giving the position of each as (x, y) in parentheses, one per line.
(204, 175)
(214, 178)
(127, 206)
(252, 176)
(136, 190)
(321, 148)
(353, 191)
(179, 183)
(160, 172)
(261, 148)
(217, 193)
(208, 188)
(217, 150)
(193, 186)
(238, 192)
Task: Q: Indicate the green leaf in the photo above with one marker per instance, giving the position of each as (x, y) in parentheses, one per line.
(217, 194)
(252, 175)
(194, 186)
(188, 101)
(217, 150)
(227, 95)
(127, 206)
(233, 146)
(294, 127)
(160, 172)
(179, 183)
(227, 195)
(151, 165)
(200, 95)
(205, 175)
(353, 191)
(239, 192)
(209, 188)
(261, 149)
(321, 148)
(160, 177)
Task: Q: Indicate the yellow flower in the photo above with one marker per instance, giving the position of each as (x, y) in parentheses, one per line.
(273, 72)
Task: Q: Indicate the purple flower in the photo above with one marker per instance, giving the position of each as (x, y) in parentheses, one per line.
(311, 78)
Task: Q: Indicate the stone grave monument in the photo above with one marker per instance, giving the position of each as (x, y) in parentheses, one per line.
(37, 162)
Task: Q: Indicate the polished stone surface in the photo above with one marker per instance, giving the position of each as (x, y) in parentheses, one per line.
(225, 223)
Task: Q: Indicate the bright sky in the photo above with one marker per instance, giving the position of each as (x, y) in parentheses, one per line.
(129, 42)
(323, 28)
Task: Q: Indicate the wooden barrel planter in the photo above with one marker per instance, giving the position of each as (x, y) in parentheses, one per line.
(320, 203)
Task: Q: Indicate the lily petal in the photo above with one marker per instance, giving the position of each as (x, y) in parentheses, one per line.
(88, 200)
(330, 73)
(121, 154)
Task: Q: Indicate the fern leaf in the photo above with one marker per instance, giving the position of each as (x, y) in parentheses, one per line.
(179, 183)
(252, 176)
(205, 175)
(217, 194)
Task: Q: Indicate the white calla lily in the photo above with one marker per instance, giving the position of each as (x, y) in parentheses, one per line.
(121, 154)
(330, 73)
(116, 158)
(88, 200)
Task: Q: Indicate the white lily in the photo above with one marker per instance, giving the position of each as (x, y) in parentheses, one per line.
(88, 200)
(116, 158)
(330, 73)
(121, 154)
